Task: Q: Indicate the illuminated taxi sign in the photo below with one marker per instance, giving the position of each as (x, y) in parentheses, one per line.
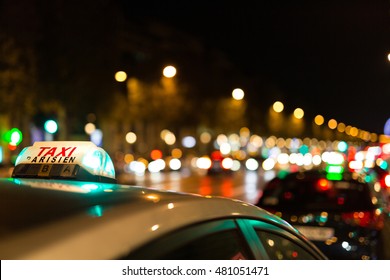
(77, 160)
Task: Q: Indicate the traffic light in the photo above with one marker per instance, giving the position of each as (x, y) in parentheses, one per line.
(50, 126)
(13, 137)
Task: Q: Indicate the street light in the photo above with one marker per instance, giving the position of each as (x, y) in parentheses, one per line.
(13, 137)
(298, 113)
(319, 120)
(120, 76)
(278, 106)
(332, 123)
(238, 94)
(297, 125)
(51, 126)
(131, 137)
(169, 71)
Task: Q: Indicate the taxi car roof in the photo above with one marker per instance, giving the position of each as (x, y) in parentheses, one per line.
(71, 210)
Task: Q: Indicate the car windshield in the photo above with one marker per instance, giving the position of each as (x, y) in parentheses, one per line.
(316, 194)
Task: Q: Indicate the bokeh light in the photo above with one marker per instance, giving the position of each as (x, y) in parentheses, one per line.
(120, 76)
(278, 106)
(169, 71)
(319, 120)
(238, 94)
(51, 126)
(131, 137)
(298, 113)
(332, 123)
(89, 128)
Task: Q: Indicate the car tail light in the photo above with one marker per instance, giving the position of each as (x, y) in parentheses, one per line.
(323, 185)
(216, 155)
(370, 219)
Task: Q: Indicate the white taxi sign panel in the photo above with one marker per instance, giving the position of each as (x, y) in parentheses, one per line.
(80, 160)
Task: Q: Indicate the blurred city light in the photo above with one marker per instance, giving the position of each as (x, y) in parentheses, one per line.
(225, 148)
(386, 129)
(387, 181)
(236, 165)
(89, 128)
(268, 164)
(298, 113)
(319, 120)
(168, 137)
(120, 76)
(128, 158)
(341, 127)
(156, 166)
(283, 158)
(169, 71)
(221, 138)
(332, 123)
(174, 164)
(238, 94)
(227, 163)
(131, 137)
(189, 142)
(342, 146)
(354, 131)
(203, 162)
(205, 137)
(252, 164)
(177, 153)
(271, 153)
(13, 137)
(137, 167)
(256, 140)
(51, 126)
(97, 137)
(156, 154)
(278, 106)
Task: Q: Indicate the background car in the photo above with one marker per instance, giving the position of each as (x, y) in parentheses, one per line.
(76, 210)
(218, 164)
(342, 214)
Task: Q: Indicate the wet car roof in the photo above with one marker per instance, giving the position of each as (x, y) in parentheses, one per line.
(83, 214)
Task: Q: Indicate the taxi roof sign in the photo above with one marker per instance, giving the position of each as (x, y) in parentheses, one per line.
(77, 160)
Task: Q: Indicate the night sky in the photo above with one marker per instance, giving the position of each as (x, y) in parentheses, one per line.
(327, 57)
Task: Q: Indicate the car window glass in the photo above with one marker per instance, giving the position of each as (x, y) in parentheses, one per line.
(216, 240)
(217, 246)
(281, 248)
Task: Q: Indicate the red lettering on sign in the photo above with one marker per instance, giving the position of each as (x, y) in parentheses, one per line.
(42, 149)
(71, 152)
(52, 151)
(63, 151)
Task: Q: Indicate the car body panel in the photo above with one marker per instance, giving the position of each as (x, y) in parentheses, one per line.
(58, 219)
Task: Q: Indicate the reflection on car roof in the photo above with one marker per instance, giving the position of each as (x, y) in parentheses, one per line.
(68, 210)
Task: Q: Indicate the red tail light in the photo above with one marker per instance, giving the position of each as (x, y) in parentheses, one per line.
(370, 219)
(323, 185)
(216, 155)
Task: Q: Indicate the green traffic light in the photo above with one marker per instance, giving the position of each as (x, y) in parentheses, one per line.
(51, 126)
(13, 136)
